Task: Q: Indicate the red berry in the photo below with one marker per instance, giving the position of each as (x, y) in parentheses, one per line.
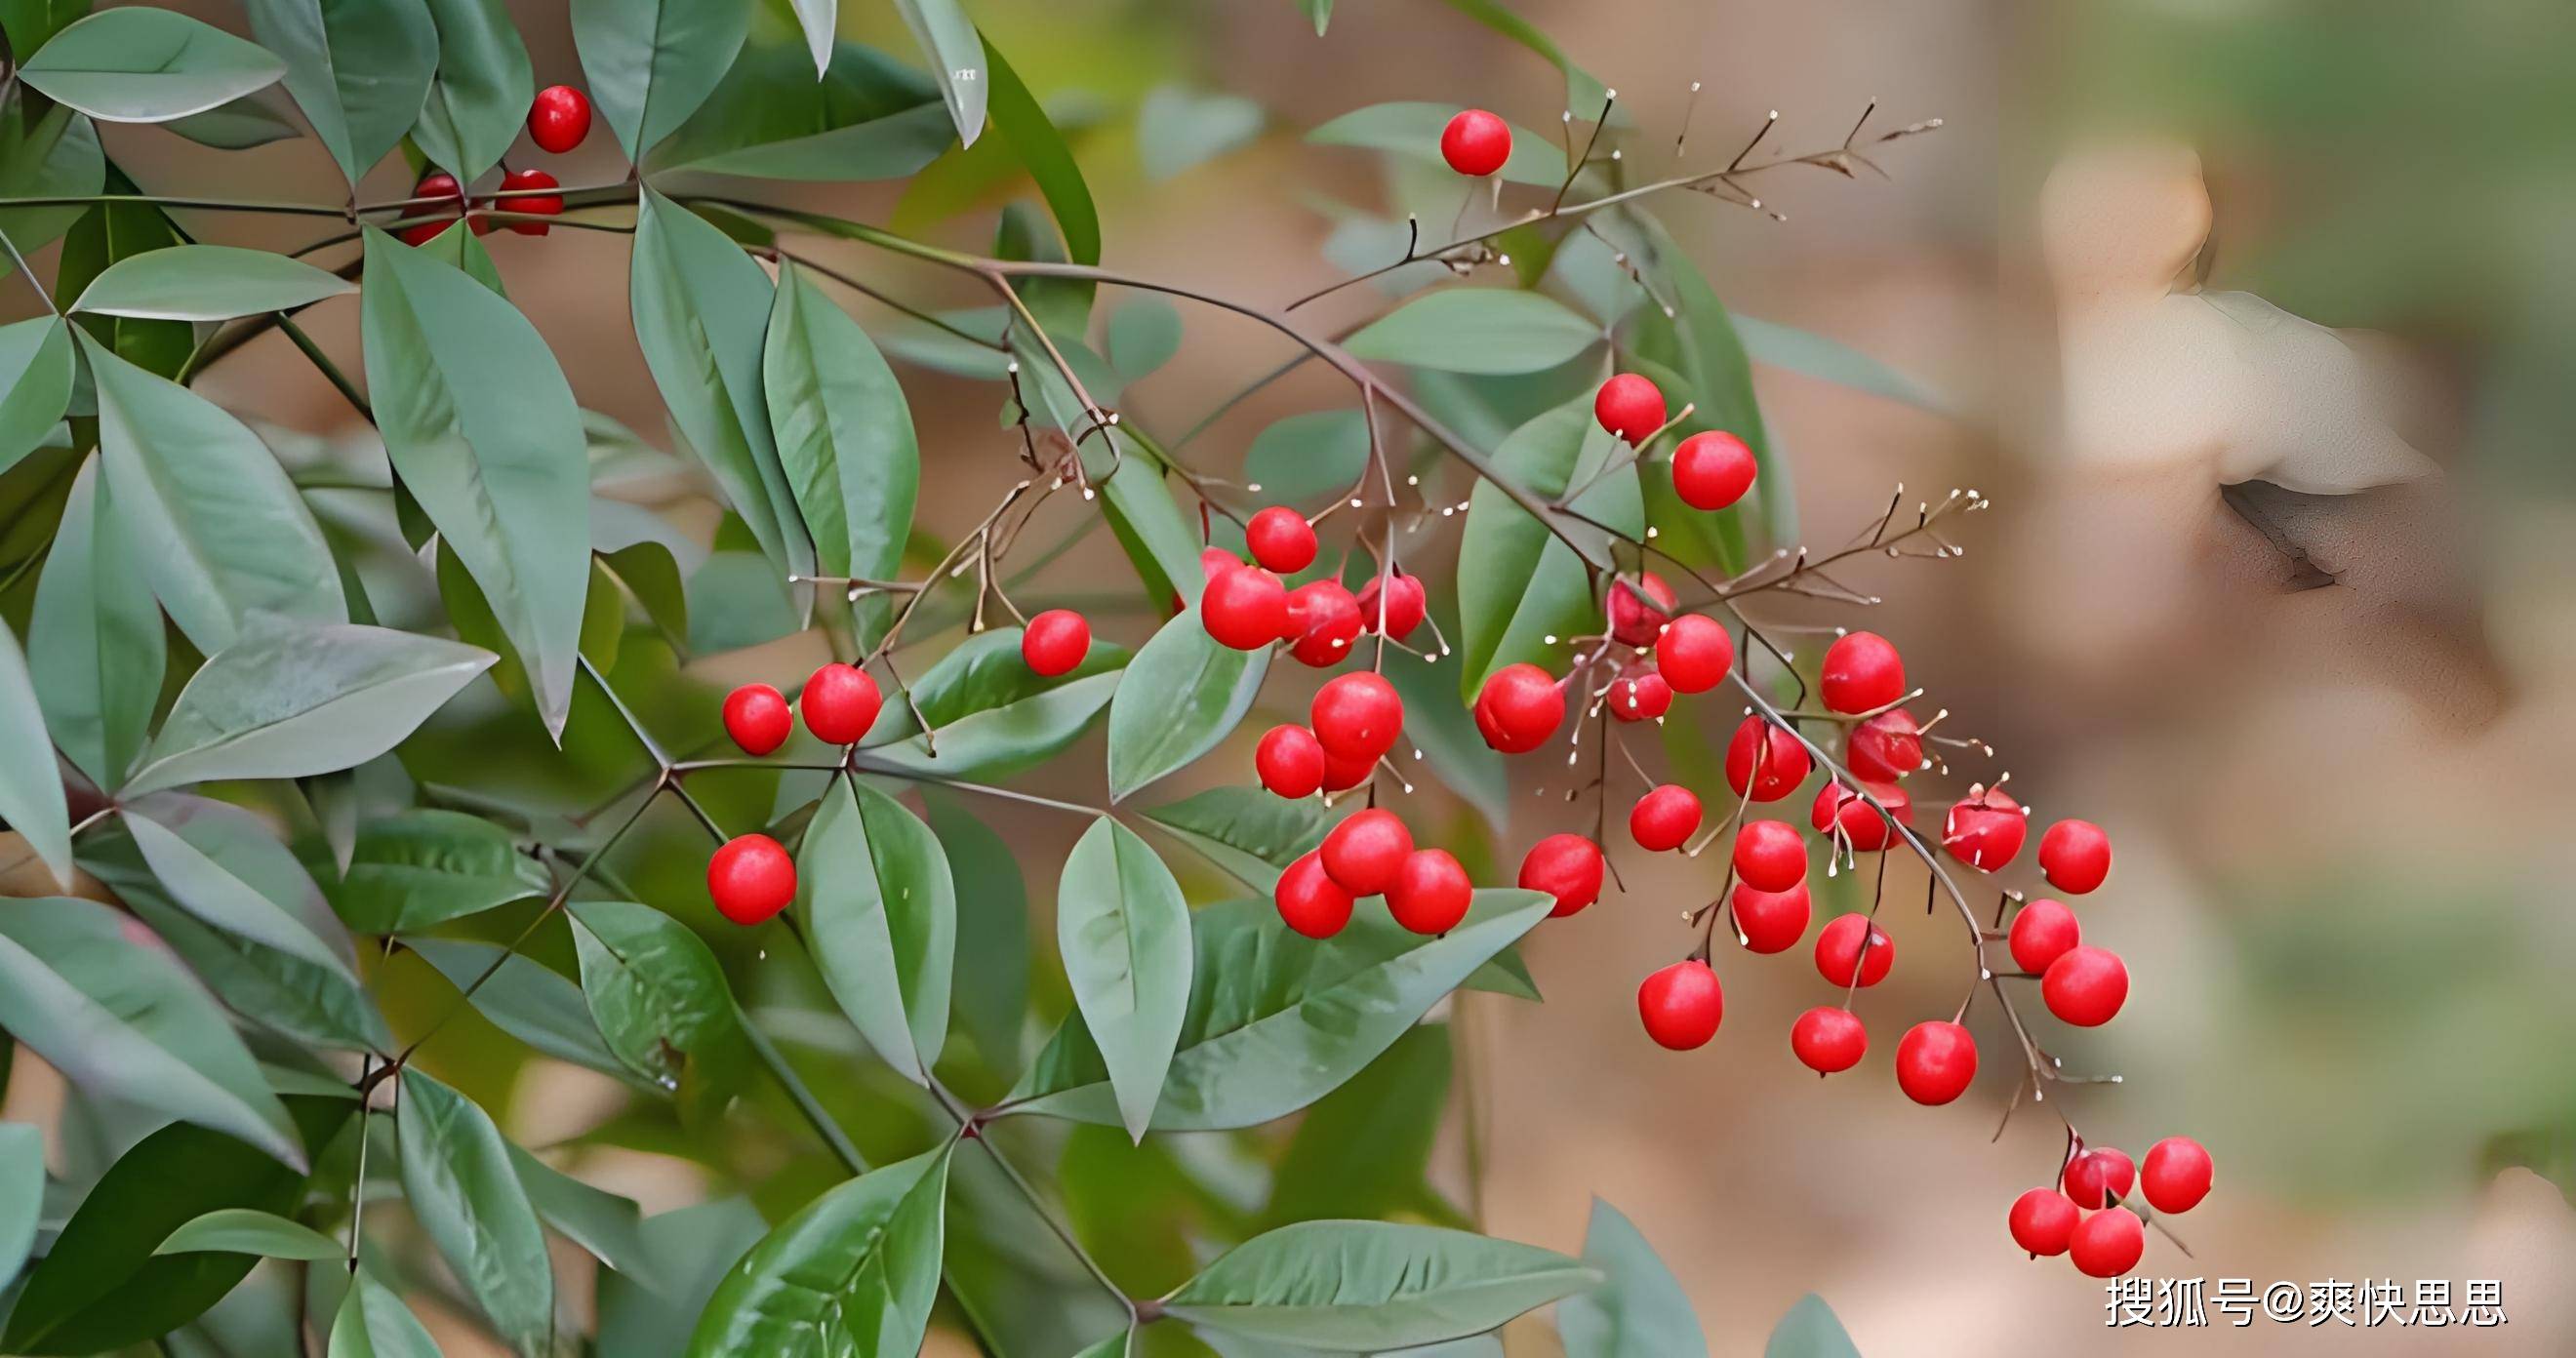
(2108, 1244)
(1770, 855)
(1885, 747)
(1519, 708)
(1640, 694)
(2075, 856)
(1357, 715)
(1839, 952)
(438, 184)
(1935, 1062)
(1712, 470)
(1366, 851)
(1681, 1005)
(1629, 406)
(1985, 830)
(2177, 1174)
(1281, 539)
(1476, 143)
(1244, 608)
(2042, 931)
(559, 118)
(1664, 818)
(1765, 756)
(1342, 774)
(1431, 892)
(1694, 653)
(1828, 1039)
(1055, 642)
(757, 718)
(541, 204)
(1862, 671)
(751, 878)
(1639, 609)
(840, 703)
(1404, 604)
(1771, 921)
(1863, 826)
(1323, 621)
(1214, 561)
(1289, 761)
(1309, 900)
(2098, 1176)
(2043, 1220)
(2085, 986)
(1568, 867)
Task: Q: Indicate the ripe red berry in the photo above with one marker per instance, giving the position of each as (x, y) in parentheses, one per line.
(1357, 715)
(1681, 1005)
(1935, 1062)
(1519, 707)
(1863, 826)
(1565, 866)
(1055, 642)
(751, 878)
(1771, 921)
(1476, 143)
(1664, 818)
(2177, 1174)
(1244, 608)
(1281, 539)
(1323, 621)
(2042, 931)
(1763, 755)
(1770, 855)
(1629, 406)
(559, 118)
(1639, 608)
(1985, 830)
(540, 204)
(1309, 900)
(1431, 892)
(1862, 671)
(1712, 470)
(1404, 604)
(2043, 1221)
(1367, 850)
(1342, 774)
(1885, 747)
(1215, 561)
(1829, 1039)
(757, 718)
(2098, 1176)
(1694, 653)
(2085, 986)
(2108, 1244)
(1289, 761)
(2075, 856)
(440, 185)
(840, 703)
(1839, 952)
(1640, 694)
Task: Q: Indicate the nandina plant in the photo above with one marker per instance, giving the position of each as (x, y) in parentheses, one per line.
(366, 771)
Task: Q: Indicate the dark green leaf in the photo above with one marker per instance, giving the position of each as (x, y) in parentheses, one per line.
(1150, 528)
(359, 69)
(1124, 933)
(852, 1274)
(874, 895)
(687, 1252)
(1308, 456)
(31, 791)
(601, 1222)
(249, 121)
(22, 1194)
(143, 65)
(206, 283)
(483, 89)
(1247, 831)
(35, 384)
(424, 867)
(1372, 1286)
(651, 574)
(662, 1003)
(1365, 1149)
(1179, 129)
(1413, 129)
(30, 24)
(458, 1177)
(990, 997)
(951, 47)
(1522, 592)
(96, 640)
(1478, 330)
(1810, 1331)
(55, 156)
(1700, 343)
(1641, 1312)
(651, 63)
(106, 235)
(248, 1230)
(845, 439)
(373, 1323)
(1037, 145)
(526, 999)
(1181, 695)
(870, 117)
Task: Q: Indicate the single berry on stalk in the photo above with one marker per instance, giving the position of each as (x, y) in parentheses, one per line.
(538, 204)
(2075, 856)
(1639, 694)
(1839, 952)
(558, 119)
(1244, 607)
(2042, 932)
(2177, 1174)
(1829, 1039)
(1681, 1005)
(758, 718)
(1639, 608)
(1519, 707)
(438, 185)
(1629, 406)
(840, 703)
(1771, 921)
(1862, 671)
(2098, 1176)
(1847, 818)
(1323, 621)
(1566, 866)
(2109, 1243)
(1664, 818)
(1985, 829)
(1763, 755)
(1055, 642)
(751, 878)
(1885, 747)
(1281, 540)
(1935, 1062)
(1357, 715)
(1431, 892)
(1694, 653)
(2043, 1221)
(1404, 604)
(1366, 851)
(1712, 470)
(1770, 855)
(1289, 761)
(1342, 773)
(1476, 143)
(1309, 900)
(2085, 986)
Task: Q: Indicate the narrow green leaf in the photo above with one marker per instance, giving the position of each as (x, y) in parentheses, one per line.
(1181, 695)
(1179, 129)
(22, 1194)
(1804, 351)
(1413, 130)
(1641, 1312)
(844, 438)
(991, 990)
(237, 125)
(1478, 330)
(1701, 344)
(484, 85)
(373, 1323)
(955, 52)
(33, 23)
(526, 999)
(689, 1250)
(1247, 831)
(820, 21)
(360, 69)
(1037, 145)
(601, 1222)
(662, 1003)
(212, 893)
(874, 895)
(35, 384)
(1307, 456)
(247, 1230)
(869, 117)
(1372, 1286)
(96, 646)
(1150, 527)
(54, 154)
(423, 867)
(207, 283)
(650, 63)
(1321, 11)
(458, 1177)
(1364, 1150)
(854, 1273)
(1810, 1330)
(1124, 933)
(31, 791)
(106, 235)
(1518, 583)
(1020, 734)
(139, 65)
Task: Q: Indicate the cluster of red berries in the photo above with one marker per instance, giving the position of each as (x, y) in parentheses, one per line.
(1247, 606)
(2090, 1216)
(558, 120)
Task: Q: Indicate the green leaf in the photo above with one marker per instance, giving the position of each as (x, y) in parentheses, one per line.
(1700, 343)
(1307, 456)
(869, 117)
(31, 791)
(36, 377)
(1144, 333)
(1584, 95)
(1413, 130)
(465, 1192)
(56, 155)
(1034, 141)
(1017, 735)
(1124, 933)
(118, 1016)
(1179, 129)
(248, 1230)
(237, 125)
(1247, 831)
(1365, 1149)
(1181, 695)
(106, 235)
(651, 574)
(30, 24)
(952, 48)
(526, 999)
(1277, 1021)
(288, 702)
(229, 534)
(1321, 11)
(820, 21)
(423, 867)
(1149, 526)
(208, 890)
(1518, 583)
(373, 1323)
(138, 65)
(465, 252)
(360, 69)
(662, 1003)
(480, 97)
(96, 639)
(207, 283)
(22, 1194)
(854, 1273)
(1372, 1285)
(1804, 351)
(482, 429)
(990, 994)
(650, 63)
(689, 1249)
(608, 1226)
(1810, 1330)
(702, 314)
(1641, 1312)
(845, 439)
(879, 910)
(1477, 330)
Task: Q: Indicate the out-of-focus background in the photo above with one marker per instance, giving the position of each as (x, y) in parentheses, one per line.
(2326, 717)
